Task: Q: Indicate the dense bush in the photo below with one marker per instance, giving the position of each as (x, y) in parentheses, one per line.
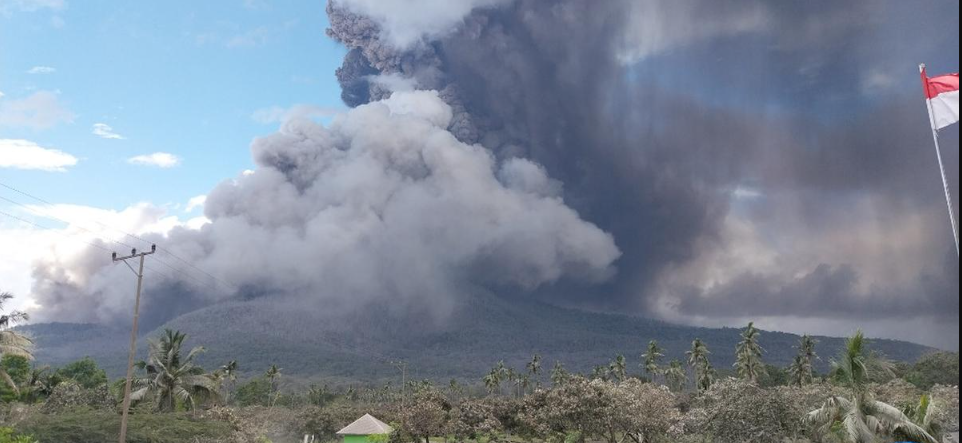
(940, 368)
(735, 411)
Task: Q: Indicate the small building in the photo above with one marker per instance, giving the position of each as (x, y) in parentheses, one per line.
(362, 429)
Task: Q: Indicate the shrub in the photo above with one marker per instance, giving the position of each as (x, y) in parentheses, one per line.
(85, 425)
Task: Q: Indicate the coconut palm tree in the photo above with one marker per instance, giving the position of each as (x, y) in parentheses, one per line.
(675, 375)
(701, 366)
(492, 381)
(797, 371)
(651, 359)
(534, 368)
(170, 376)
(748, 355)
(12, 342)
(558, 374)
(806, 349)
(859, 417)
(272, 374)
(228, 373)
(924, 415)
(619, 368)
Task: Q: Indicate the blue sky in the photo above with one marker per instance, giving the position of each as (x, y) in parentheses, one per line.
(198, 80)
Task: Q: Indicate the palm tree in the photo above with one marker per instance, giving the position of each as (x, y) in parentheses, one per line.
(491, 381)
(272, 374)
(12, 342)
(534, 368)
(705, 377)
(701, 366)
(171, 377)
(651, 358)
(229, 374)
(806, 349)
(558, 374)
(675, 376)
(860, 418)
(924, 415)
(797, 370)
(619, 368)
(748, 355)
(39, 384)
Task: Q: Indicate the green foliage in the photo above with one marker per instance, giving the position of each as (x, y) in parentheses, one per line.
(255, 392)
(88, 425)
(18, 368)
(938, 368)
(85, 372)
(7, 435)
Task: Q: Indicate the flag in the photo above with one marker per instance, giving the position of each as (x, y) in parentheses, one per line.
(942, 95)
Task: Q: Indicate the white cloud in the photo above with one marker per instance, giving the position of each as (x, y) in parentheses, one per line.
(25, 154)
(277, 114)
(158, 159)
(26, 244)
(41, 110)
(195, 202)
(7, 6)
(104, 130)
(1, 94)
(41, 70)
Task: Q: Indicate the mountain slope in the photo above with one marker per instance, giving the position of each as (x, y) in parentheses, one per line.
(476, 335)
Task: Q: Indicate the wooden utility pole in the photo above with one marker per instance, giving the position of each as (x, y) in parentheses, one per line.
(133, 333)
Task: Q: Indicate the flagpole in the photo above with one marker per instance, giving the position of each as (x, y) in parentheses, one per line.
(938, 153)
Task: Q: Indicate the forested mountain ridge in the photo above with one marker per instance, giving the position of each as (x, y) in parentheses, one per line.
(476, 334)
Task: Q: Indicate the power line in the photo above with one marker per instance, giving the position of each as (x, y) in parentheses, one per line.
(102, 248)
(51, 229)
(52, 217)
(227, 285)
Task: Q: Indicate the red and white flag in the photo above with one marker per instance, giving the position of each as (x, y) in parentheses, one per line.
(942, 94)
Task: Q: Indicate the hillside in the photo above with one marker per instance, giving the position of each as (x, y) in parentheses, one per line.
(477, 334)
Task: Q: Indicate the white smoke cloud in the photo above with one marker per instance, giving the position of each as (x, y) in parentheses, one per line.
(384, 205)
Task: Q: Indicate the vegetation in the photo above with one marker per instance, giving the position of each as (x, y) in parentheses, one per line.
(858, 417)
(171, 378)
(861, 399)
(12, 343)
(748, 355)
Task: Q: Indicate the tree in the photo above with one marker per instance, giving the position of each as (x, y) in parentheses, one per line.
(675, 376)
(16, 370)
(797, 371)
(228, 375)
(651, 359)
(619, 368)
(272, 374)
(427, 416)
(492, 381)
(534, 368)
(698, 360)
(12, 342)
(859, 417)
(802, 369)
(558, 374)
(748, 355)
(85, 372)
(170, 377)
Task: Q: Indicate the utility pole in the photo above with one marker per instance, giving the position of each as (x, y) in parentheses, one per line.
(133, 333)
(402, 366)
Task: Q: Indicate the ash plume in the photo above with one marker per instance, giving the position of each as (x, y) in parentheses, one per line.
(683, 159)
(383, 206)
(749, 158)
